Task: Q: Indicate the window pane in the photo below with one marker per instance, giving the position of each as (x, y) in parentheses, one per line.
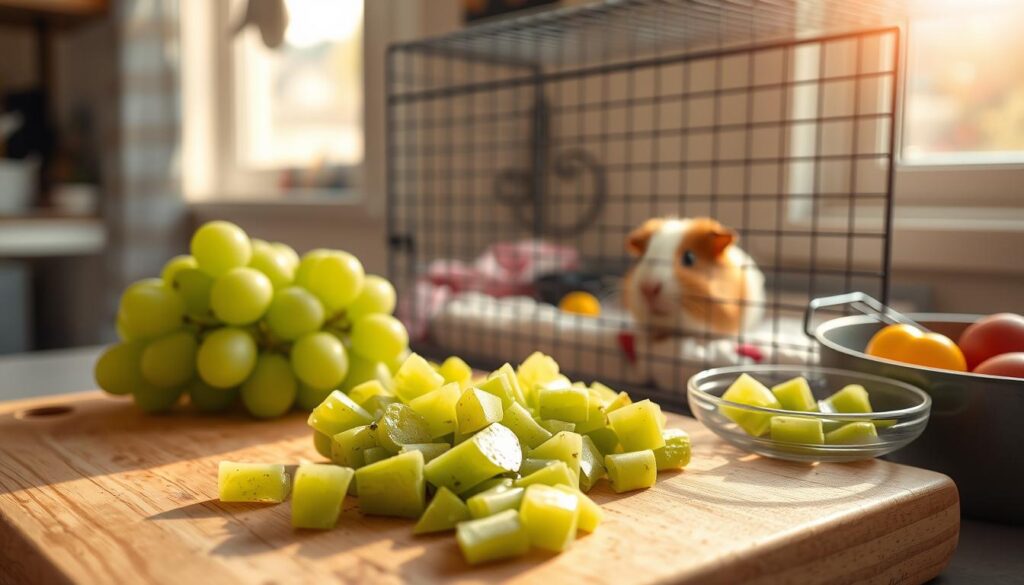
(300, 105)
(965, 86)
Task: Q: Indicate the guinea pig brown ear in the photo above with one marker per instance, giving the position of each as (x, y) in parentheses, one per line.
(636, 242)
(720, 239)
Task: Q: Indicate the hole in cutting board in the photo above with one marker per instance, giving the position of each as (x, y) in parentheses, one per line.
(43, 412)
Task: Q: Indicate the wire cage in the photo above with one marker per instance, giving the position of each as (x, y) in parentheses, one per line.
(524, 153)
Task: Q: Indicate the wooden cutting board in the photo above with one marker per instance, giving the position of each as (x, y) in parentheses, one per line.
(91, 491)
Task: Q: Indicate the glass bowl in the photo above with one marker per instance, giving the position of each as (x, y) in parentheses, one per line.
(901, 411)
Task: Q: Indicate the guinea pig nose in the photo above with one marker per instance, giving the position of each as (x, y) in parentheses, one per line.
(650, 289)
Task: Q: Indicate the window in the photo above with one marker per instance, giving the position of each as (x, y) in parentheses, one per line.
(965, 86)
(278, 122)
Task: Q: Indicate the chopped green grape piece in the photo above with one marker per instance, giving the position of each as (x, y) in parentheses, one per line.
(797, 429)
(443, 513)
(495, 500)
(550, 516)
(487, 484)
(596, 418)
(855, 433)
(590, 513)
(476, 409)
(558, 473)
(317, 495)
(337, 413)
(375, 454)
(531, 465)
(437, 407)
(376, 405)
(535, 370)
(621, 400)
(557, 426)
(490, 452)
(519, 420)
(591, 465)
(605, 440)
(631, 471)
(564, 446)
(492, 538)
(363, 392)
(349, 446)
(400, 425)
(393, 486)
(509, 373)
(676, 452)
(747, 390)
(602, 392)
(795, 394)
(638, 426)
(252, 482)
(415, 378)
(567, 404)
(322, 443)
(851, 399)
(206, 398)
(500, 387)
(456, 371)
(430, 450)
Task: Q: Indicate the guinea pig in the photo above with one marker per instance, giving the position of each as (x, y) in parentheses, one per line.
(691, 276)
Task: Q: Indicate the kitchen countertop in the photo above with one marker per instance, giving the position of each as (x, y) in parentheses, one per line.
(987, 554)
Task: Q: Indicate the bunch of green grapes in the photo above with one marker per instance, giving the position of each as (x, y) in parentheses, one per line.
(242, 319)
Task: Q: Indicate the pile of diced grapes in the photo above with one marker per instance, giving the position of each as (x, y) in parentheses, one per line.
(505, 459)
(245, 320)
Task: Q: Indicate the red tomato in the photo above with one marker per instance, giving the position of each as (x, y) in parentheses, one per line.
(992, 336)
(1007, 364)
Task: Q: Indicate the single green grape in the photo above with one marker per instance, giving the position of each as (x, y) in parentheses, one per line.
(309, 397)
(149, 311)
(206, 398)
(219, 246)
(272, 263)
(377, 296)
(226, 357)
(117, 371)
(270, 390)
(360, 370)
(319, 360)
(306, 264)
(194, 286)
(151, 399)
(336, 279)
(240, 296)
(288, 253)
(170, 361)
(123, 332)
(294, 312)
(174, 265)
(379, 337)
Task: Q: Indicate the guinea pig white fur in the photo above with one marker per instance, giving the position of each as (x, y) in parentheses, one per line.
(692, 278)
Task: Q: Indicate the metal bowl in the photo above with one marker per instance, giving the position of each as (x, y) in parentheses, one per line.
(977, 422)
(901, 411)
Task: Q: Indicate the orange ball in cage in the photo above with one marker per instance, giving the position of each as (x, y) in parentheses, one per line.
(580, 303)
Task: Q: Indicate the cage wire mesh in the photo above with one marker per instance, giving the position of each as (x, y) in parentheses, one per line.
(523, 153)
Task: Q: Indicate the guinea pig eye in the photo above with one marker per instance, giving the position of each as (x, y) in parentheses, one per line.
(688, 258)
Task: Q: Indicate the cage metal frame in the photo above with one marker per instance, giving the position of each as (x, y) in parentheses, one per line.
(536, 49)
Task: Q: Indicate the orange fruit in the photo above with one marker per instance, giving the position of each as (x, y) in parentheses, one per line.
(908, 344)
(580, 303)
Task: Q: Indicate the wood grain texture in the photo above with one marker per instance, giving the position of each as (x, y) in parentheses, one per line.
(103, 494)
